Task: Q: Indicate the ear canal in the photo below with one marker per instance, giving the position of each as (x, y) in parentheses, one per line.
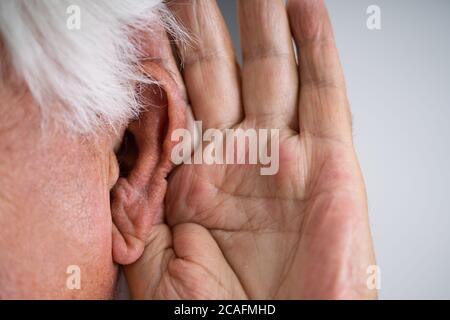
(138, 198)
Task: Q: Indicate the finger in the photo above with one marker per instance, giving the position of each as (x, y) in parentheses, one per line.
(145, 274)
(176, 261)
(269, 74)
(323, 104)
(210, 69)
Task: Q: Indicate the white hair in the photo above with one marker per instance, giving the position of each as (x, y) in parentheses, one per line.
(83, 77)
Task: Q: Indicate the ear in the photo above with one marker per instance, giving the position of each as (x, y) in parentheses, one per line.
(138, 198)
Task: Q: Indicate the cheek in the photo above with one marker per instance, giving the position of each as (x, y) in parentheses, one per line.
(56, 235)
(58, 246)
(86, 233)
(88, 236)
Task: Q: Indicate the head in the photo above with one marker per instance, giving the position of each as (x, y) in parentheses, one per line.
(85, 114)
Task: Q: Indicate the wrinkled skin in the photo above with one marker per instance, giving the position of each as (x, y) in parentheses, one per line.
(230, 232)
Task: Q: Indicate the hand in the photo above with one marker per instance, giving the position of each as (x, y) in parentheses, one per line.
(231, 233)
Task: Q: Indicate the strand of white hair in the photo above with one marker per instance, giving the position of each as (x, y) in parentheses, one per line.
(82, 76)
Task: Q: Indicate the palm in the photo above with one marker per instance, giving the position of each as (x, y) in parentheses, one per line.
(239, 234)
(231, 232)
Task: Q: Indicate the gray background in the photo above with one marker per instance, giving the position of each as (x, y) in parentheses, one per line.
(398, 81)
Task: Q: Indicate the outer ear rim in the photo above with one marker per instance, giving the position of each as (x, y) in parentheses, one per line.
(136, 201)
(174, 101)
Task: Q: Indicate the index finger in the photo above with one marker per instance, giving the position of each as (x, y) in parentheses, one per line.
(210, 72)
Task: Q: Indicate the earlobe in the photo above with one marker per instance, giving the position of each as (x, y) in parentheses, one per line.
(138, 197)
